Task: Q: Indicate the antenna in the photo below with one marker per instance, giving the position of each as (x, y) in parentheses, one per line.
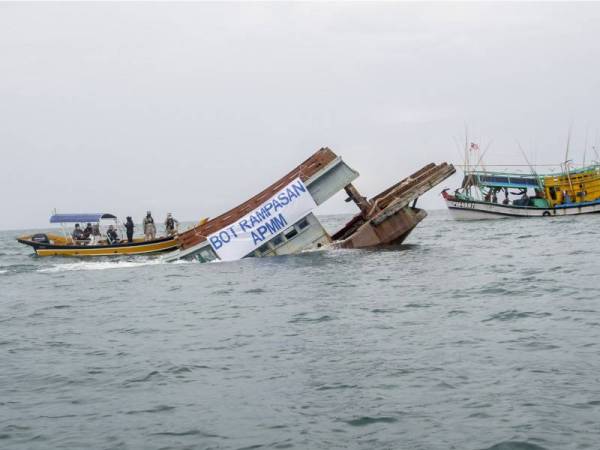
(585, 145)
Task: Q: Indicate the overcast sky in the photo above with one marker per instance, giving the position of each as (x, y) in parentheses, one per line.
(193, 108)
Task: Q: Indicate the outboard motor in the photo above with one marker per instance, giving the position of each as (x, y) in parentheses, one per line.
(40, 238)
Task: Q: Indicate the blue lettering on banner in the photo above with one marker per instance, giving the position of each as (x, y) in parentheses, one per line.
(283, 199)
(299, 187)
(273, 227)
(244, 225)
(286, 206)
(224, 236)
(216, 242)
(291, 194)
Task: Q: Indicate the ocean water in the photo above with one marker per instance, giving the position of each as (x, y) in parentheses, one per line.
(473, 335)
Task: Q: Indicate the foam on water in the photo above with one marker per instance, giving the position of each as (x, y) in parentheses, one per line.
(98, 265)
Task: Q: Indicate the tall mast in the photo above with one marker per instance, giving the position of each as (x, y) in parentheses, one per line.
(585, 146)
(567, 160)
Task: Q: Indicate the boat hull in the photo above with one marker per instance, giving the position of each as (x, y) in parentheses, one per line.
(135, 248)
(482, 210)
(393, 230)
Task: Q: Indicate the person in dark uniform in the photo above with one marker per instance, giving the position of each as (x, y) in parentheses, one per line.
(111, 235)
(77, 234)
(129, 226)
(87, 231)
(171, 225)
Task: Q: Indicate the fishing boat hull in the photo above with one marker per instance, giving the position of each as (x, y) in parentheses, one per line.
(165, 244)
(475, 210)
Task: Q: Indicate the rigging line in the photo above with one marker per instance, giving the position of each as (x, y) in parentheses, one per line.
(521, 165)
(533, 172)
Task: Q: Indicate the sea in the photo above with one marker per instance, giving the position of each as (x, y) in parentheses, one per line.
(470, 336)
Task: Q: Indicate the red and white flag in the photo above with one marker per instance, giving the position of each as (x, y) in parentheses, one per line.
(474, 146)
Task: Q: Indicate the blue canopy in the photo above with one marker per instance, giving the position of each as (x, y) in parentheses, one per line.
(71, 218)
(502, 180)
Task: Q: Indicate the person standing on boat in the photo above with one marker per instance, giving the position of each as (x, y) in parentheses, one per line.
(149, 227)
(129, 226)
(171, 225)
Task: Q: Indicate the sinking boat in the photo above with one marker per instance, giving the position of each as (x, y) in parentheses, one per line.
(51, 244)
(280, 219)
(492, 195)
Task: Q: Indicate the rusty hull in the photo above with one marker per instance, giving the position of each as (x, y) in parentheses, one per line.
(388, 218)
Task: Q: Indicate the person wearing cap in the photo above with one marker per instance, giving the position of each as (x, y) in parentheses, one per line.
(149, 227)
(77, 233)
(171, 225)
(129, 226)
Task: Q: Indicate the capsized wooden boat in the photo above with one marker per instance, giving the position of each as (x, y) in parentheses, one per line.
(51, 244)
(280, 220)
(487, 195)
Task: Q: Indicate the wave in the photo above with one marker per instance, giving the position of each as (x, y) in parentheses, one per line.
(515, 445)
(98, 265)
(107, 264)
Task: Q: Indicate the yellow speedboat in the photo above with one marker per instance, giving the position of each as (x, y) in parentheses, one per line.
(50, 244)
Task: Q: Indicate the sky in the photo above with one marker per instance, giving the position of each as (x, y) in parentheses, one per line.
(192, 108)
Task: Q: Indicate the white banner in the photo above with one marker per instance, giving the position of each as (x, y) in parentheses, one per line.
(286, 207)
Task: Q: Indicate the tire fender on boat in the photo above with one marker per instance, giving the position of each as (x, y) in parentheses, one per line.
(546, 213)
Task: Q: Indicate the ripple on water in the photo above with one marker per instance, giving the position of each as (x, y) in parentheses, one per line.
(303, 318)
(368, 420)
(193, 432)
(515, 315)
(515, 445)
(156, 409)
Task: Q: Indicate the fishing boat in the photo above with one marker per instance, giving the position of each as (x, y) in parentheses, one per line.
(280, 220)
(487, 194)
(52, 244)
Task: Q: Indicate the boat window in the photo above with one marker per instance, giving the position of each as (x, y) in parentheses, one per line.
(302, 224)
(206, 255)
(264, 248)
(552, 193)
(290, 233)
(277, 240)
